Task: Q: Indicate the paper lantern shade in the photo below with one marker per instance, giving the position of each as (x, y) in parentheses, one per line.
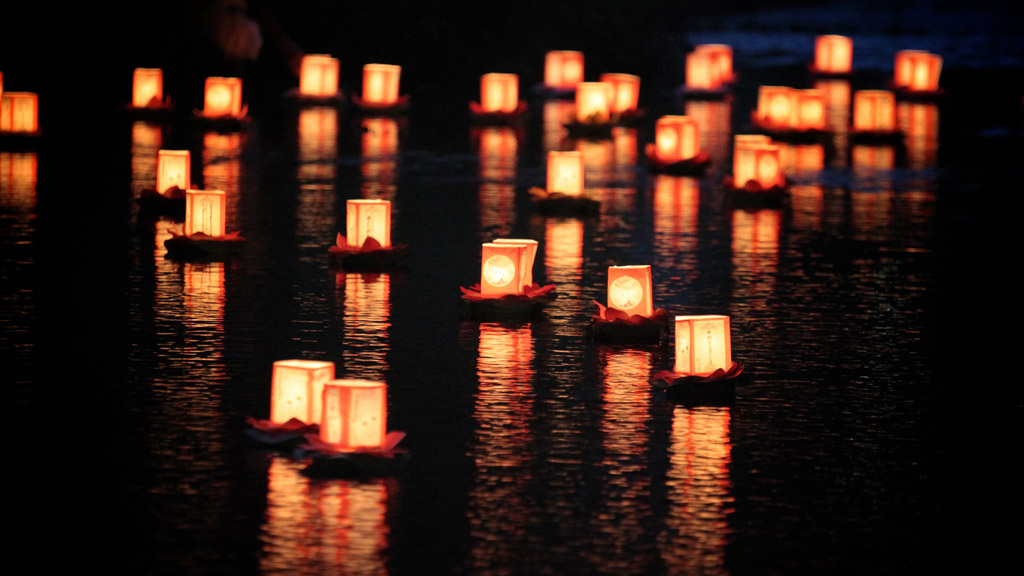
(368, 219)
(297, 390)
(380, 84)
(147, 87)
(625, 92)
(833, 54)
(756, 158)
(499, 92)
(173, 168)
(721, 61)
(703, 344)
(676, 138)
(205, 212)
(874, 110)
(501, 269)
(563, 69)
(565, 172)
(917, 70)
(629, 290)
(593, 102)
(319, 75)
(810, 109)
(19, 112)
(709, 66)
(529, 256)
(776, 105)
(354, 414)
(223, 97)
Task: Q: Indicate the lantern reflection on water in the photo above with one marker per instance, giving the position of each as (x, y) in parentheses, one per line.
(354, 414)
(319, 75)
(297, 390)
(563, 69)
(703, 344)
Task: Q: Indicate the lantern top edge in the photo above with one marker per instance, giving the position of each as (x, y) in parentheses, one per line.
(355, 383)
(702, 317)
(631, 267)
(301, 363)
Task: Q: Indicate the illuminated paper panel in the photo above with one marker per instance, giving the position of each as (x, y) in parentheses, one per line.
(833, 54)
(380, 83)
(297, 390)
(625, 92)
(703, 344)
(593, 101)
(565, 172)
(354, 414)
(223, 96)
(776, 104)
(499, 92)
(874, 110)
(319, 75)
(173, 168)
(563, 69)
(205, 211)
(147, 87)
(529, 256)
(19, 112)
(629, 289)
(368, 219)
(676, 138)
(501, 269)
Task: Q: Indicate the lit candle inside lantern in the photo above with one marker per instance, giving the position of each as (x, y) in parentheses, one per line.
(593, 100)
(776, 104)
(354, 414)
(368, 219)
(625, 92)
(703, 344)
(319, 75)
(917, 70)
(529, 256)
(833, 54)
(721, 59)
(147, 87)
(19, 112)
(810, 109)
(756, 158)
(629, 290)
(501, 269)
(297, 390)
(676, 138)
(874, 110)
(173, 168)
(709, 66)
(223, 96)
(565, 172)
(380, 84)
(499, 92)
(563, 69)
(205, 211)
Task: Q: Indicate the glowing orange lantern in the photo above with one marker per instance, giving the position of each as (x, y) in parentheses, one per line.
(147, 87)
(368, 219)
(676, 138)
(625, 92)
(205, 211)
(703, 344)
(756, 158)
(1, 84)
(173, 168)
(19, 112)
(565, 172)
(380, 84)
(501, 269)
(563, 69)
(319, 75)
(709, 66)
(355, 414)
(629, 290)
(297, 388)
(776, 105)
(809, 109)
(917, 70)
(223, 97)
(721, 59)
(874, 110)
(499, 92)
(833, 54)
(529, 256)
(593, 102)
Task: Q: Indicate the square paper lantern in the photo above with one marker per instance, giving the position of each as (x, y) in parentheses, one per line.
(917, 70)
(629, 290)
(19, 112)
(703, 344)
(593, 102)
(529, 256)
(147, 87)
(756, 158)
(676, 138)
(380, 84)
(565, 172)
(776, 105)
(297, 390)
(833, 54)
(721, 61)
(563, 69)
(173, 168)
(205, 211)
(809, 109)
(355, 414)
(368, 219)
(319, 75)
(625, 92)
(709, 66)
(499, 92)
(223, 96)
(501, 269)
(874, 110)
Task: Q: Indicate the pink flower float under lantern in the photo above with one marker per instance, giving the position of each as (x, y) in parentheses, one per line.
(630, 314)
(704, 371)
(506, 287)
(367, 246)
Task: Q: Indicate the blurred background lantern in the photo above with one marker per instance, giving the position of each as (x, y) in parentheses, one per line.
(833, 54)
(874, 110)
(354, 414)
(563, 69)
(499, 92)
(19, 112)
(502, 269)
(380, 84)
(368, 219)
(147, 87)
(629, 290)
(296, 390)
(676, 138)
(319, 75)
(565, 172)
(917, 70)
(529, 256)
(625, 92)
(776, 105)
(703, 344)
(756, 158)
(593, 102)
(173, 168)
(205, 211)
(223, 97)
(810, 109)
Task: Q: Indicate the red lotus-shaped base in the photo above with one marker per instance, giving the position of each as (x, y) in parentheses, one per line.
(559, 204)
(785, 131)
(397, 107)
(482, 116)
(718, 387)
(534, 298)
(170, 202)
(695, 166)
(611, 324)
(203, 246)
(279, 435)
(370, 256)
(327, 460)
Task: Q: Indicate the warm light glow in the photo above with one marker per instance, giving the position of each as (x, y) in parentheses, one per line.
(776, 104)
(917, 70)
(368, 219)
(529, 256)
(629, 289)
(563, 69)
(625, 92)
(810, 109)
(205, 211)
(833, 54)
(380, 83)
(565, 172)
(147, 87)
(676, 138)
(354, 414)
(501, 269)
(703, 344)
(319, 75)
(19, 112)
(874, 110)
(709, 66)
(173, 168)
(499, 92)
(756, 158)
(297, 390)
(223, 97)
(593, 100)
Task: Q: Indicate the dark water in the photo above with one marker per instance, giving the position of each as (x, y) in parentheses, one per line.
(872, 310)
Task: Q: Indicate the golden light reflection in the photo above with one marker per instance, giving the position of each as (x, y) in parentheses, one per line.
(871, 214)
(837, 115)
(222, 166)
(18, 177)
(498, 149)
(919, 121)
(556, 114)
(755, 256)
(317, 172)
(676, 209)
(366, 315)
(379, 157)
(146, 141)
(563, 252)
(807, 203)
(204, 304)
(715, 126)
(802, 158)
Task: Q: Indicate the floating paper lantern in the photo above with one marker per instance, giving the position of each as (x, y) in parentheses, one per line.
(147, 87)
(354, 414)
(629, 290)
(368, 219)
(173, 168)
(776, 105)
(499, 92)
(319, 75)
(874, 111)
(593, 102)
(756, 158)
(563, 69)
(502, 269)
(703, 344)
(625, 92)
(529, 256)
(19, 112)
(810, 109)
(833, 54)
(223, 97)
(565, 172)
(380, 84)
(297, 390)
(709, 66)
(676, 138)
(205, 211)
(917, 70)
